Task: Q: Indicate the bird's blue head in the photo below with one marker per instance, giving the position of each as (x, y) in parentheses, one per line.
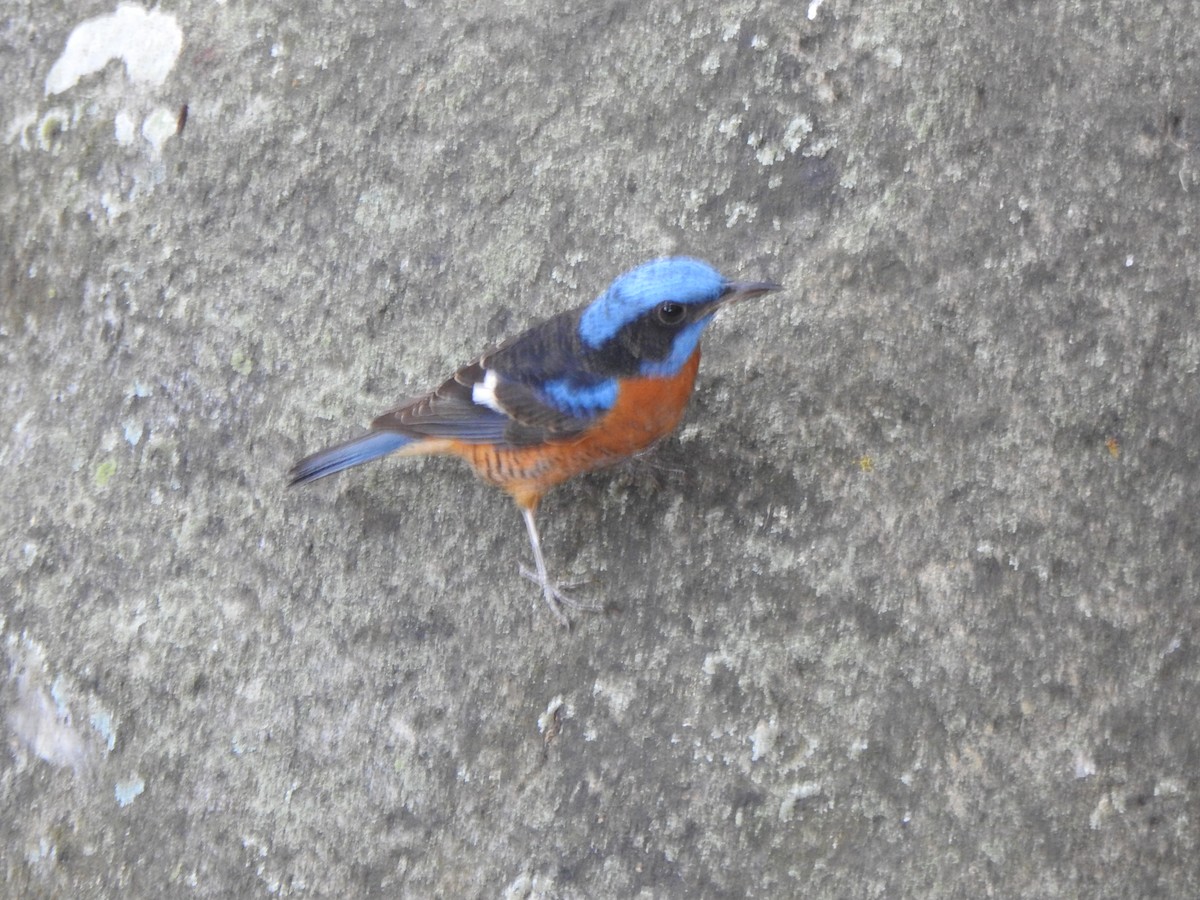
(657, 312)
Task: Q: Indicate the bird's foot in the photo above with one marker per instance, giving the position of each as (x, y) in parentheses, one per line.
(557, 597)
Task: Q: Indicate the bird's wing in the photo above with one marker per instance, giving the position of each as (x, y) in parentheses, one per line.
(523, 393)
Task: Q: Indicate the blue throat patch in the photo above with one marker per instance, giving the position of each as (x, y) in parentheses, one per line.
(639, 290)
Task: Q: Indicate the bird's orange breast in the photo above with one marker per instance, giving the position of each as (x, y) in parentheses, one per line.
(646, 410)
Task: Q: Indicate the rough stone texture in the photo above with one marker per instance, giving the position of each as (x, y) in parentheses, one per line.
(908, 609)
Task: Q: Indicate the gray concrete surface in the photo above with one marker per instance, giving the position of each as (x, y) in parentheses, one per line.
(909, 607)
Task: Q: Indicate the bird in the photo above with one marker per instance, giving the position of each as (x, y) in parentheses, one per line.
(582, 390)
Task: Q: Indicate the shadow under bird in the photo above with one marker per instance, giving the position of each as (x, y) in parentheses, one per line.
(582, 390)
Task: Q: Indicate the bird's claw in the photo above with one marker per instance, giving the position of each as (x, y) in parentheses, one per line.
(557, 598)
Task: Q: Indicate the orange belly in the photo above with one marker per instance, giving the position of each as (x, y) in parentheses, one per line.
(647, 410)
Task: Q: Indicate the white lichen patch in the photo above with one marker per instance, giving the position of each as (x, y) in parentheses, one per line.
(160, 125)
(124, 128)
(129, 789)
(148, 42)
(555, 709)
(794, 137)
(617, 693)
(795, 796)
(762, 739)
(38, 716)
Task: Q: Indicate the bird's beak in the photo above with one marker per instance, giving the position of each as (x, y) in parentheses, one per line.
(736, 291)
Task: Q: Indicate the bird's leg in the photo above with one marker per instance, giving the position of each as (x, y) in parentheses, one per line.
(555, 598)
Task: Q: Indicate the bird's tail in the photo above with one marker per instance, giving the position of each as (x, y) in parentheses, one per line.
(371, 445)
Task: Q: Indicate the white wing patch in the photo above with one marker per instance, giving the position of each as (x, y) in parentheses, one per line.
(483, 393)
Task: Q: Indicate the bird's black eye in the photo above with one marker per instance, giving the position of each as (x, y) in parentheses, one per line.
(671, 313)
